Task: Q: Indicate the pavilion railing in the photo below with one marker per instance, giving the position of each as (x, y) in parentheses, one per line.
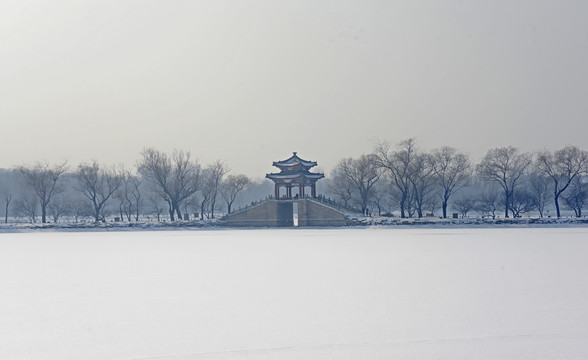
(338, 205)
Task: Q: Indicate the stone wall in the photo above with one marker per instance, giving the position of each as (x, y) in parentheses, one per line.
(264, 214)
(311, 213)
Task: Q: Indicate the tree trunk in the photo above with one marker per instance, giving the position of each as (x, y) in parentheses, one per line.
(506, 205)
(212, 207)
(229, 207)
(202, 211)
(43, 214)
(444, 209)
(171, 211)
(556, 201)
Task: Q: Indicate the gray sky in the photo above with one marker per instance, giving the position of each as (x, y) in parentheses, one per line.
(251, 81)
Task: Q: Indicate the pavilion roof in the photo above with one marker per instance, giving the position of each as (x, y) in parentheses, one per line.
(294, 160)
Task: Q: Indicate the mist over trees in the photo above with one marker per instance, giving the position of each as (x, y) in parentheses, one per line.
(97, 184)
(562, 167)
(451, 170)
(504, 166)
(176, 176)
(416, 183)
(362, 173)
(395, 179)
(44, 181)
(231, 187)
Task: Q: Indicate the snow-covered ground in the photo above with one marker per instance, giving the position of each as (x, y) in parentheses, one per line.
(367, 293)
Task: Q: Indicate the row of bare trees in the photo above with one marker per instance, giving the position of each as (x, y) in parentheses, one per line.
(394, 177)
(172, 182)
(416, 182)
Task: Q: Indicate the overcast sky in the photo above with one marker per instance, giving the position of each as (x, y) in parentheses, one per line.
(249, 82)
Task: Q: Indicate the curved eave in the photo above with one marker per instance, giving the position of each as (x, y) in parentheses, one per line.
(293, 161)
(292, 177)
(282, 164)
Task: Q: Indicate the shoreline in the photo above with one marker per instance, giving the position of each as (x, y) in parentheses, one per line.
(354, 223)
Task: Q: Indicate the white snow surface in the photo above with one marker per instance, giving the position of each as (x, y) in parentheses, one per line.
(372, 293)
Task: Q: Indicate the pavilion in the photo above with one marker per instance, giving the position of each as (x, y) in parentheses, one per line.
(294, 172)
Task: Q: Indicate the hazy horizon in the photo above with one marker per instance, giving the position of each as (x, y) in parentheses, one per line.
(249, 83)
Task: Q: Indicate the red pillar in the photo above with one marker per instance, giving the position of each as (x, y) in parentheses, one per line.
(313, 190)
(277, 190)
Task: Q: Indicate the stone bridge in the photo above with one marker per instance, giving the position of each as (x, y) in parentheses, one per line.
(285, 213)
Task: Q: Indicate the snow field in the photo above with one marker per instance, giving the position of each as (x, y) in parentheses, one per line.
(374, 293)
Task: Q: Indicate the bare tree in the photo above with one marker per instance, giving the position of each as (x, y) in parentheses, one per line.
(136, 197)
(191, 205)
(538, 191)
(27, 206)
(98, 184)
(7, 201)
(464, 205)
(125, 206)
(401, 168)
(129, 196)
(452, 171)
(488, 203)
(432, 203)
(176, 176)
(81, 209)
(410, 204)
(562, 167)
(364, 173)
(423, 184)
(206, 192)
(231, 187)
(380, 198)
(521, 202)
(156, 205)
(59, 206)
(577, 196)
(504, 166)
(44, 180)
(7, 190)
(341, 187)
(217, 171)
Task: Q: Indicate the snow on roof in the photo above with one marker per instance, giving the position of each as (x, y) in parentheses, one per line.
(293, 161)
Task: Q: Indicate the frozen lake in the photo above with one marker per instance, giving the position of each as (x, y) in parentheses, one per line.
(506, 293)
